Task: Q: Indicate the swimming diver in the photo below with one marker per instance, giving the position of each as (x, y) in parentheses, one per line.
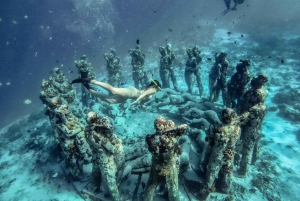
(120, 95)
(227, 3)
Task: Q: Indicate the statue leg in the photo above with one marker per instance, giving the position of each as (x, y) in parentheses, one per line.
(135, 79)
(172, 182)
(164, 76)
(199, 82)
(173, 78)
(247, 151)
(109, 171)
(154, 180)
(226, 178)
(255, 152)
(189, 80)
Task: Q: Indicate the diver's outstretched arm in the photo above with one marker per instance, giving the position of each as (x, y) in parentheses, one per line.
(145, 93)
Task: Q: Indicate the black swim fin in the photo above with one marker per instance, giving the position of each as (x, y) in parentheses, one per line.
(82, 80)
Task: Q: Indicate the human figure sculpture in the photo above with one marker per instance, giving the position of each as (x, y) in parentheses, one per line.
(165, 150)
(138, 73)
(108, 153)
(166, 69)
(70, 135)
(192, 69)
(217, 77)
(220, 152)
(58, 85)
(85, 70)
(237, 84)
(256, 94)
(253, 102)
(250, 136)
(113, 68)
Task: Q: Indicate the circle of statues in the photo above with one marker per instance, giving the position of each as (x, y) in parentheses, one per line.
(226, 133)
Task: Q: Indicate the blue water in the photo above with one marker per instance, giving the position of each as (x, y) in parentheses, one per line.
(36, 36)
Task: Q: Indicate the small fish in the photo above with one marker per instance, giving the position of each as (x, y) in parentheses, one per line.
(170, 30)
(228, 33)
(70, 71)
(35, 54)
(198, 27)
(137, 41)
(234, 42)
(14, 22)
(28, 131)
(282, 61)
(57, 61)
(8, 83)
(122, 83)
(242, 35)
(154, 11)
(209, 59)
(143, 185)
(55, 175)
(50, 12)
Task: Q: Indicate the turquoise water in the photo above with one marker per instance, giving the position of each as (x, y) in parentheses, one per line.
(39, 36)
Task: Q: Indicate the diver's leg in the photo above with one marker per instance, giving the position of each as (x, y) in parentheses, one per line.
(106, 86)
(235, 4)
(102, 96)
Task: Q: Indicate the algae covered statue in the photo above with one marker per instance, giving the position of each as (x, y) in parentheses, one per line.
(69, 133)
(237, 84)
(192, 69)
(165, 151)
(220, 152)
(253, 102)
(138, 72)
(113, 68)
(166, 69)
(217, 77)
(85, 70)
(108, 153)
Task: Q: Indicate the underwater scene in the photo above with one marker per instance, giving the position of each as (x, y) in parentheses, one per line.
(111, 100)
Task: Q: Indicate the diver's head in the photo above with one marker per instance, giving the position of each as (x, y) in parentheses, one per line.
(154, 83)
